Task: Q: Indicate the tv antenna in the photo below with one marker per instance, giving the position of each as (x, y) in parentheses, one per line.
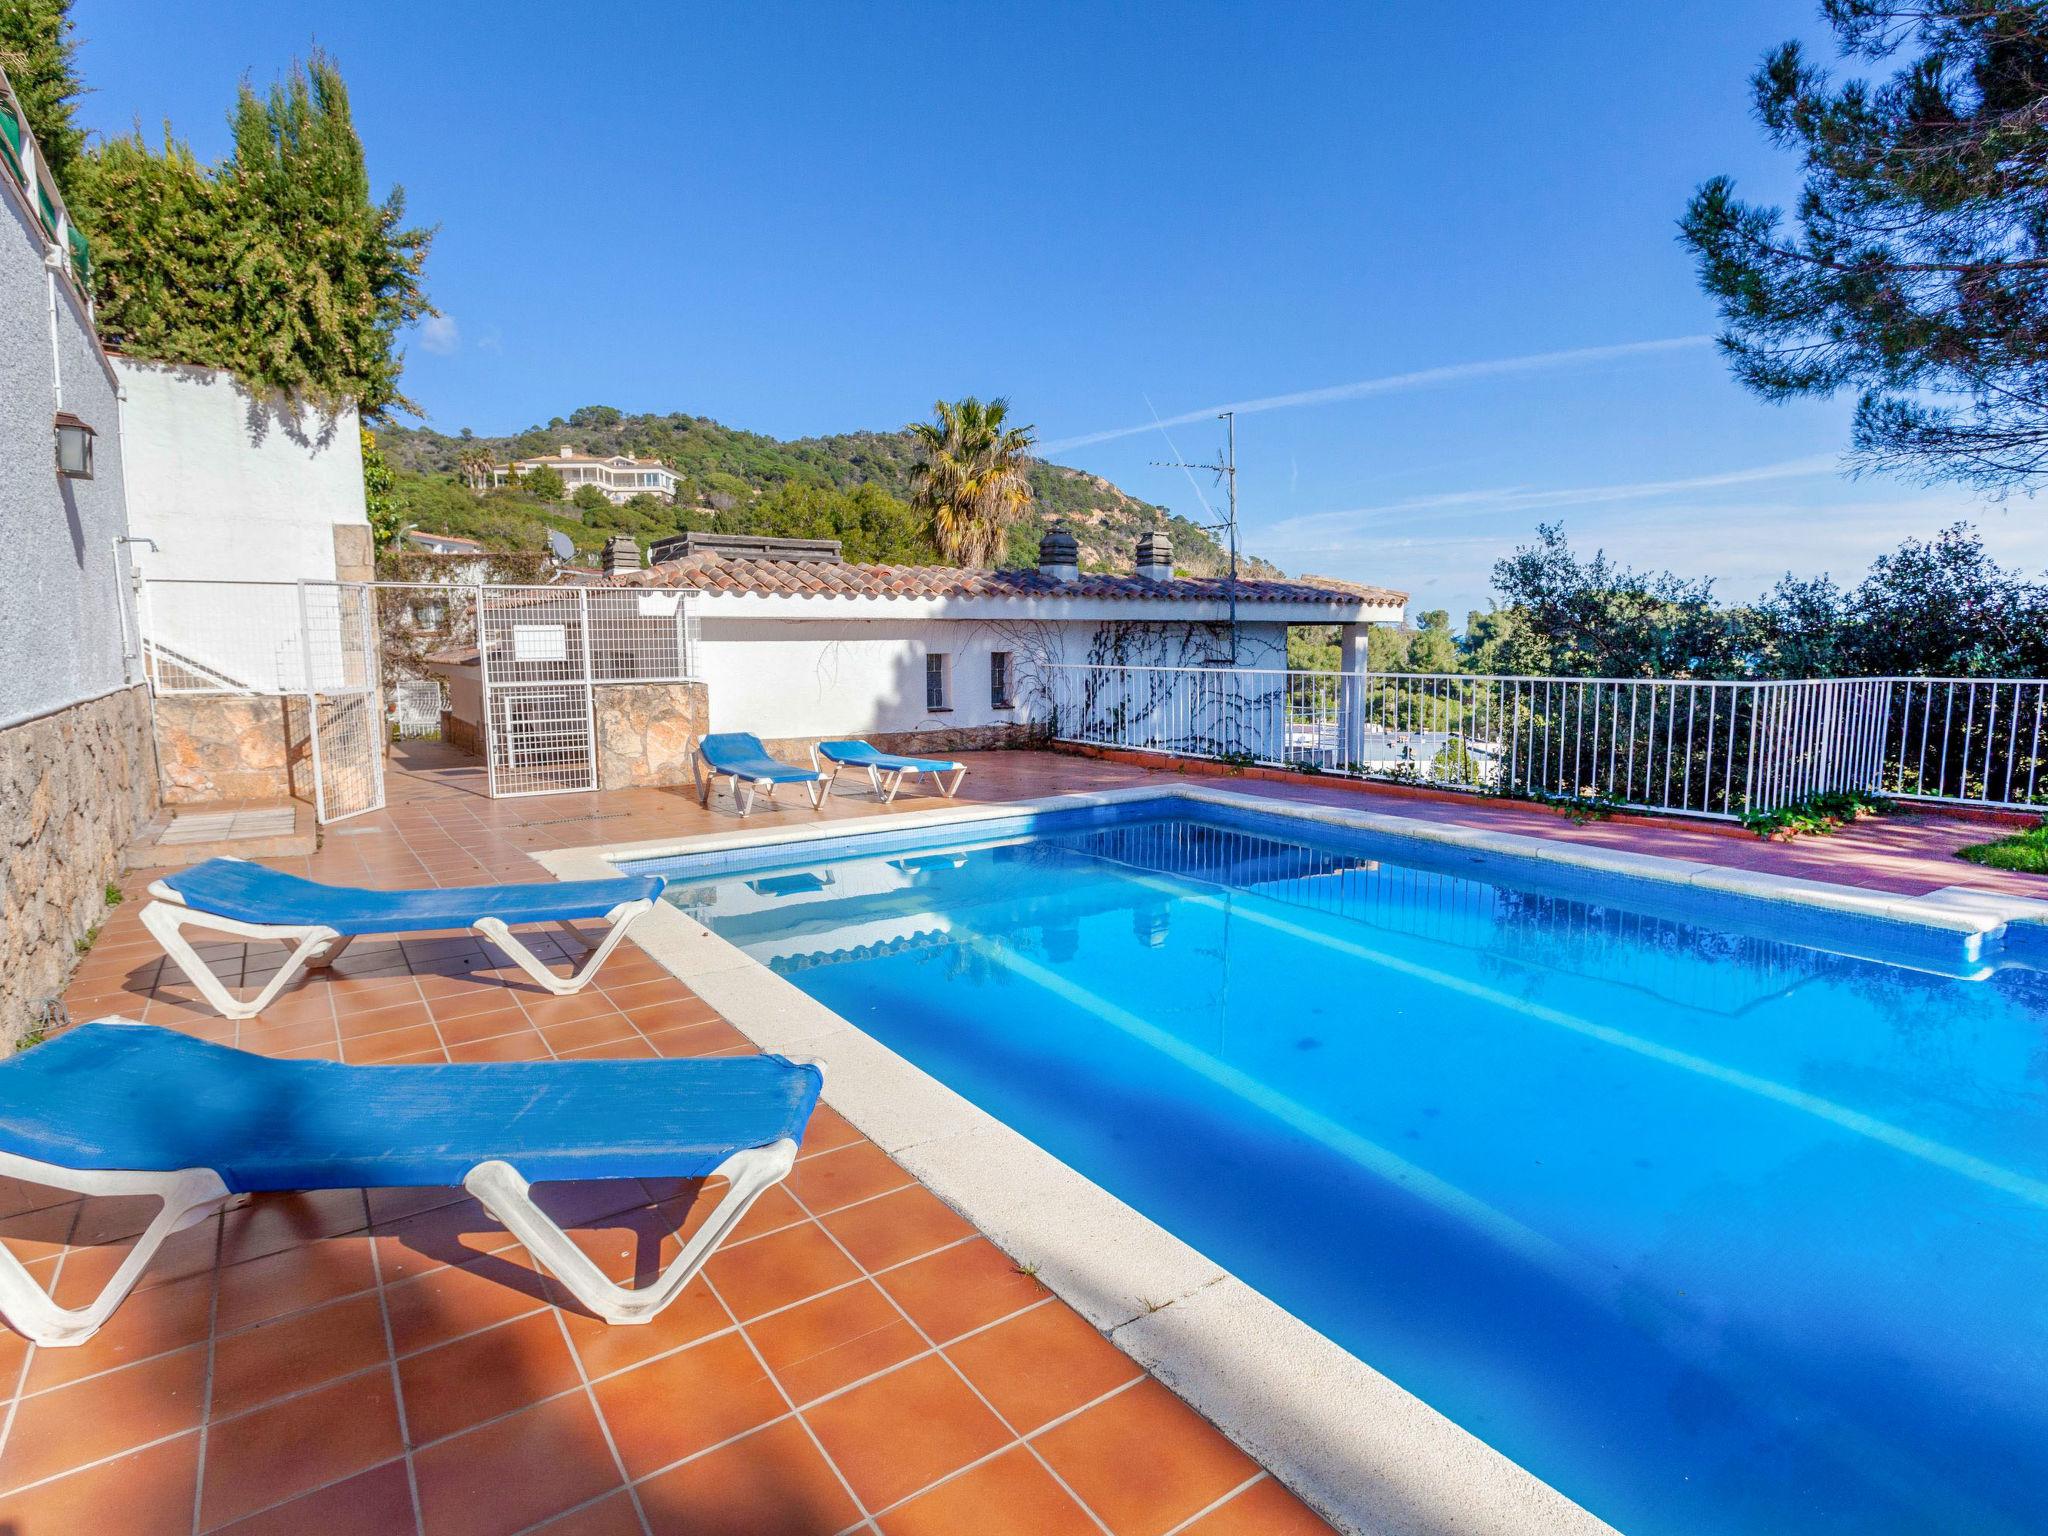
(1226, 472)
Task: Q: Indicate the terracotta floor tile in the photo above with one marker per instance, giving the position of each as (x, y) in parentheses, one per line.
(1010, 1496)
(778, 1269)
(183, 1254)
(547, 1008)
(397, 1203)
(664, 992)
(507, 1475)
(293, 1353)
(522, 1045)
(297, 1445)
(841, 1177)
(631, 1049)
(39, 1234)
(613, 1516)
(897, 1227)
(268, 1038)
(833, 1340)
(1044, 1363)
(307, 1275)
(581, 1034)
(484, 1024)
(146, 1493)
(605, 1349)
(391, 1045)
(828, 1129)
(459, 1232)
(150, 1322)
(700, 1040)
(900, 1433)
(359, 1021)
(686, 1402)
(1264, 1509)
(460, 1298)
(455, 1386)
(373, 1503)
(1144, 1461)
(961, 1287)
(271, 1223)
(687, 1211)
(772, 1483)
(104, 1415)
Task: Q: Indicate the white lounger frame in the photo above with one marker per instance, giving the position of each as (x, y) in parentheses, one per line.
(314, 947)
(886, 781)
(192, 1194)
(189, 1196)
(707, 779)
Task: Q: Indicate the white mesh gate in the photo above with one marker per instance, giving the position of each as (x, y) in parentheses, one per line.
(544, 652)
(311, 644)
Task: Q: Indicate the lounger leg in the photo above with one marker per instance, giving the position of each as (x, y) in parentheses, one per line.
(508, 1197)
(744, 802)
(705, 780)
(620, 917)
(168, 920)
(331, 953)
(954, 789)
(874, 780)
(189, 1196)
(816, 790)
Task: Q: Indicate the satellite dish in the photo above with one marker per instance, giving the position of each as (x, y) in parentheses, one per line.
(563, 547)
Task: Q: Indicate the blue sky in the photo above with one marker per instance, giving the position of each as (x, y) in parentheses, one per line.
(1429, 248)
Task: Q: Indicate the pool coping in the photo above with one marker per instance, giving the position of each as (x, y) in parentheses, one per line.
(1367, 1454)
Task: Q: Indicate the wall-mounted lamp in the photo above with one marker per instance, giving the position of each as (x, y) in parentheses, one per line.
(74, 447)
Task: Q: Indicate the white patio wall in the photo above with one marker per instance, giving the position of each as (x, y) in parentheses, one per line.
(782, 677)
(234, 488)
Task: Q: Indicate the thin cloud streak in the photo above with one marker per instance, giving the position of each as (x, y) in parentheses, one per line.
(1396, 383)
(1505, 500)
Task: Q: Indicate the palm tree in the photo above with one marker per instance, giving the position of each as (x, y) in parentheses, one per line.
(972, 477)
(475, 466)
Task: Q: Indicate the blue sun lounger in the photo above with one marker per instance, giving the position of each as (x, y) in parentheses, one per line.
(740, 756)
(887, 766)
(249, 901)
(114, 1108)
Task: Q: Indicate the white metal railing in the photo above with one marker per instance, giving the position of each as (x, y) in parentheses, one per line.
(1966, 741)
(1690, 747)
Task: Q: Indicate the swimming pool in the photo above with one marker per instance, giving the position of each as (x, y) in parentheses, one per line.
(1718, 1215)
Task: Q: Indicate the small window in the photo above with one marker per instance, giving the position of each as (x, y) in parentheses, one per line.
(999, 679)
(938, 681)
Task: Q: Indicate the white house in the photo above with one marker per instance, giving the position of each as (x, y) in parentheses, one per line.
(620, 476)
(794, 643)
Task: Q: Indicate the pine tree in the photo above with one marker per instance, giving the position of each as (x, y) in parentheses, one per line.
(1918, 269)
(36, 50)
(276, 264)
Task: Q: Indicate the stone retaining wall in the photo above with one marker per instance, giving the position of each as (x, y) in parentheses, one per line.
(75, 786)
(217, 747)
(646, 732)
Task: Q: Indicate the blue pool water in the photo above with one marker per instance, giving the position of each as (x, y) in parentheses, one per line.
(1718, 1216)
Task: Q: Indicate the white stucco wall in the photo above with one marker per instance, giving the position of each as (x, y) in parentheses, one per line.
(233, 488)
(62, 615)
(827, 676)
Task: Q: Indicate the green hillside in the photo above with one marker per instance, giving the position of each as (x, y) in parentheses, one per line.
(853, 486)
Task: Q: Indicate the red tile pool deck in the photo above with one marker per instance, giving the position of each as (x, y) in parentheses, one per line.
(858, 1358)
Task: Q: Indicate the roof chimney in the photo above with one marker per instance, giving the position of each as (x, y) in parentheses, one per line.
(1155, 556)
(1059, 557)
(621, 555)
(565, 452)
